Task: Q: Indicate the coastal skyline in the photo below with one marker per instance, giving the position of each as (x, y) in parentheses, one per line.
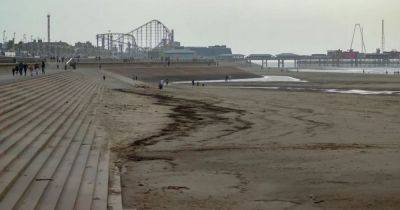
(247, 27)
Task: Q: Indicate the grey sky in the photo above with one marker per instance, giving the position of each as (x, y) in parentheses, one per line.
(248, 26)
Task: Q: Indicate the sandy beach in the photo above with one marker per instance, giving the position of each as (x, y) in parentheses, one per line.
(218, 147)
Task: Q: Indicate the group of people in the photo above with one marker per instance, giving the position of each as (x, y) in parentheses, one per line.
(22, 69)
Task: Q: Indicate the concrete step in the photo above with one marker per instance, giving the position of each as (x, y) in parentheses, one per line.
(94, 185)
(13, 88)
(22, 128)
(10, 124)
(23, 82)
(86, 190)
(33, 101)
(100, 197)
(70, 191)
(52, 153)
(45, 175)
(25, 149)
(50, 197)
(15, 100)
(43, 151)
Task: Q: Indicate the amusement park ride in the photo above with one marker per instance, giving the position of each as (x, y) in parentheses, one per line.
(139, 42)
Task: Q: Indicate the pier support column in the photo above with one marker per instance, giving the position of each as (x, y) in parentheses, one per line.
(283, 64)
(279, 64)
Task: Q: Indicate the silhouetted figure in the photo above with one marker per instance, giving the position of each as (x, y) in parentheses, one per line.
(161, 84)
(104, 77)
(20, 68)
(43, 67)
(25, 69)
(15, 70)
(193, 82)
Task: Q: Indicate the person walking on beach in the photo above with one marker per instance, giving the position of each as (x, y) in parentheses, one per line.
(43, 67)
(161, 84)
(192, 82)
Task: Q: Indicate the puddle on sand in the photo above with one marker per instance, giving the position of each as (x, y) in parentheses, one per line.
(354, 91)
(260, 79)
(363, 92)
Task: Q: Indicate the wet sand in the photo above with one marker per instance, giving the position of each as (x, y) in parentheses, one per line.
(216, 147)
(154, 73)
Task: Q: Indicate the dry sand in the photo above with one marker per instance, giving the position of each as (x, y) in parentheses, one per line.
(216, 147)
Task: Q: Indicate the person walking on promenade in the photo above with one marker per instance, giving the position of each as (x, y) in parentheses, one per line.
(43, 67)
(20, 68)
(25, 69)
(14, 69)
(36, 69)
(31, 69)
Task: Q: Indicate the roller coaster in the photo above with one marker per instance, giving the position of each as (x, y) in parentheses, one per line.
(136, 43)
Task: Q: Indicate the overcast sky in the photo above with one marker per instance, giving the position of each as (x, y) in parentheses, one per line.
(248, 26)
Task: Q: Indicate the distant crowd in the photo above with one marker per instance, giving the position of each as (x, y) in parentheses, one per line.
(35, 69)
